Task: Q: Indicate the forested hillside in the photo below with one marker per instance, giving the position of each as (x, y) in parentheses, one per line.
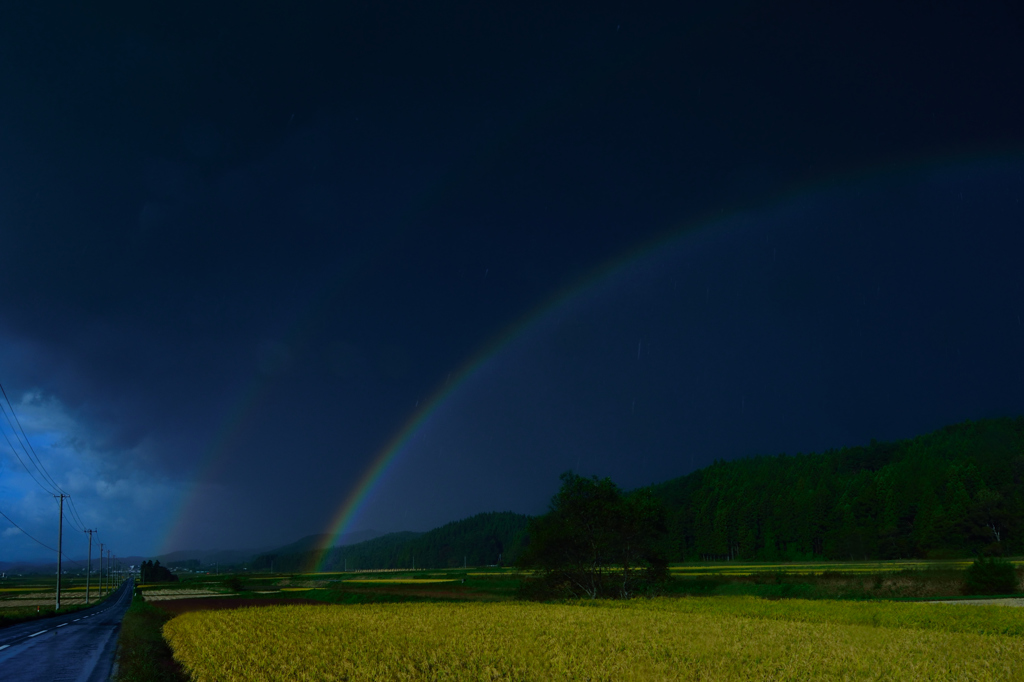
(952, 493)
(478, 541)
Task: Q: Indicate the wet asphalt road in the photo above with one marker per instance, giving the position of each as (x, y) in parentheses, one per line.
(78, 646)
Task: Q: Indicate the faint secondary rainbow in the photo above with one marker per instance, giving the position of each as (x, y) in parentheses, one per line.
(213, 459)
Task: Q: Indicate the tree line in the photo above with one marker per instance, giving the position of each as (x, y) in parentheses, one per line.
(153, 572)
(953, 493)
(957, 492)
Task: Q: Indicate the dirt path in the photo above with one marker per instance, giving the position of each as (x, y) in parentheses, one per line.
(1007, 601)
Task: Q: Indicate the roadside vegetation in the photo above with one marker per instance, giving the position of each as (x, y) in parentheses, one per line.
(142, 653)
(23, 614)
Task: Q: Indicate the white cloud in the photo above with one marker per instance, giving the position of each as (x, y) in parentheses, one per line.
(130, 507)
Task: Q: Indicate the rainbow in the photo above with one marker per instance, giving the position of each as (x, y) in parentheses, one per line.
(348, 511)
(343, 518)
(213, 460)
(351, 505)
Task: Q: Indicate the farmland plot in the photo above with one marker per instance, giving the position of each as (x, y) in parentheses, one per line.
(669, 639)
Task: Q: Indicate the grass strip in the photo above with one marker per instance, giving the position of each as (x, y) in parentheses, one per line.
(142, 653)
(23, 614)
(951, 618)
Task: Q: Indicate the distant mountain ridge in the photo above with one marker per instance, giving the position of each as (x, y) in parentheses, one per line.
(240, 557)
(70, 566)
(316, 541)
(483, 539)
(209, 557)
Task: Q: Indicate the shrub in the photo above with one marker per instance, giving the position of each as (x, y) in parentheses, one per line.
(990, 576)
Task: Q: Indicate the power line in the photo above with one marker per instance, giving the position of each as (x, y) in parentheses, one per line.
(74, 561)
(75, 523)
(20, 461)
(35, 463)
(78, 517)
(45, 485)
(30, 452)
(26, 532)
(38, 462)
(74, 517)
(43, 544)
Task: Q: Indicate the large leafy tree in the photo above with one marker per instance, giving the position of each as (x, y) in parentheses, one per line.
(597, 541)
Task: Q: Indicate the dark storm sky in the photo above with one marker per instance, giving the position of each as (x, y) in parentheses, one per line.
(239, 244)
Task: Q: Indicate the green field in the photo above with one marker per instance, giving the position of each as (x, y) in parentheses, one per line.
(910, 580)
(816, 567)
(353, 587)
(810, 580)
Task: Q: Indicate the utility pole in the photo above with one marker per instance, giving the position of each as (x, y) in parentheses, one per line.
(110, 582)
(60, 540)
(101, 570)
(88, 567)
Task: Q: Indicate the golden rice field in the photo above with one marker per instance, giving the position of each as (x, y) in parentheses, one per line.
(400, 581)
(720, 638)
(45, 588)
